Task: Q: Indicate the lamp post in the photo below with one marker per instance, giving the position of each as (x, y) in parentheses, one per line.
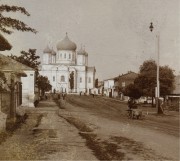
(157, 77)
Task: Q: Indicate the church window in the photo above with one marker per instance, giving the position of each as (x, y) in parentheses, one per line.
(89, 80)
(65, 55)
(80, 80)
(53, 78)
(60, 55)
(69, 56)
(62, 78)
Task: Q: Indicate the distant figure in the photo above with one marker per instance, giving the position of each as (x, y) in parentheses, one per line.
(64, 96)
(59, 96)
(80, 93)
(46, 97)
(93, 95)
(131, 103)
(54, 91)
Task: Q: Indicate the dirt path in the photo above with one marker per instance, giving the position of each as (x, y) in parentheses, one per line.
(119, 138)
(45, 136)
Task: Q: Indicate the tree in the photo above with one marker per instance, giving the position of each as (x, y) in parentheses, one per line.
(7, 23)
(96, 83)
(133, 91)
(4, 44)
(43, 84)
(146, 80)
(28, 58)
(71, 80)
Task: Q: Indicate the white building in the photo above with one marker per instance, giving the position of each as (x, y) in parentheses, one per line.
(58, 66)
(109, 87)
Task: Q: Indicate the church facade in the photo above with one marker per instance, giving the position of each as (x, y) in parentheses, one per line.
(67, 69)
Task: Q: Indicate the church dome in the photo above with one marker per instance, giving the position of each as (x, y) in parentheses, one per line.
(47, 50)
(82, 52)
(66, 44)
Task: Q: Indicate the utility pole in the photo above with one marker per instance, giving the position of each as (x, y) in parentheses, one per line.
(157, 94)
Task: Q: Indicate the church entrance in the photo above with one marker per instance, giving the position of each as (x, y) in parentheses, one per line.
(62, 88)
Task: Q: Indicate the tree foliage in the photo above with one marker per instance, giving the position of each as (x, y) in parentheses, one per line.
(71, 80)
(28, 58)
(7, 22)
(146, 80)
(43, 84)
(132, 91)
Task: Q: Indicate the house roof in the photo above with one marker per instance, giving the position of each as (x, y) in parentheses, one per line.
(4, 44)
(111, 78)
(122, 76)
(13, 65)
(130, 74)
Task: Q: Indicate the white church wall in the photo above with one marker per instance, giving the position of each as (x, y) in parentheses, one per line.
(80, 60)
(81, 79)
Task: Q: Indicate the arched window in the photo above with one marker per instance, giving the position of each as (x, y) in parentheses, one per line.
(65, 56)
(60, 55)
(69, 56)
(62, 78)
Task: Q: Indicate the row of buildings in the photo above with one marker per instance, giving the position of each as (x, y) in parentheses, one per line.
(114, 87)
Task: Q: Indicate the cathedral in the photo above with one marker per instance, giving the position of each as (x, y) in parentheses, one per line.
(67, 69)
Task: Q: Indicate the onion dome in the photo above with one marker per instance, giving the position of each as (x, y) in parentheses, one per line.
(66, 44)
(82, 52)
(47, 50)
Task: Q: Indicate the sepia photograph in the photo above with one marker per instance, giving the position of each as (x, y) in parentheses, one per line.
(89, 80)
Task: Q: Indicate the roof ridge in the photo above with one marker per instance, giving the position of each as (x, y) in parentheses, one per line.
(8, 58)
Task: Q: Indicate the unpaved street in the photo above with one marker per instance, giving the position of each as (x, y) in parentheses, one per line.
(113, 136)
(87, 128)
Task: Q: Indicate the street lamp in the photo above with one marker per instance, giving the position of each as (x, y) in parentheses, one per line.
(158, 83)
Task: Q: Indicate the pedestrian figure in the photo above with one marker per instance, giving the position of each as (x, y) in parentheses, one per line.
(130, 106)
(59, 96)
(64, 96)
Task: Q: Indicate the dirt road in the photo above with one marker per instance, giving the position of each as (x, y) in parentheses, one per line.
(112, 136)
(45, 136)
(90, 128)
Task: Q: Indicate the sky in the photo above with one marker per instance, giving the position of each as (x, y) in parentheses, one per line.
(115, 33)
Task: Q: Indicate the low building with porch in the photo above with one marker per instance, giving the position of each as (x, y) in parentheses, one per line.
(19, 86)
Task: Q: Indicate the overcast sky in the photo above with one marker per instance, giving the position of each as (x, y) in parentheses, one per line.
(115, 32)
